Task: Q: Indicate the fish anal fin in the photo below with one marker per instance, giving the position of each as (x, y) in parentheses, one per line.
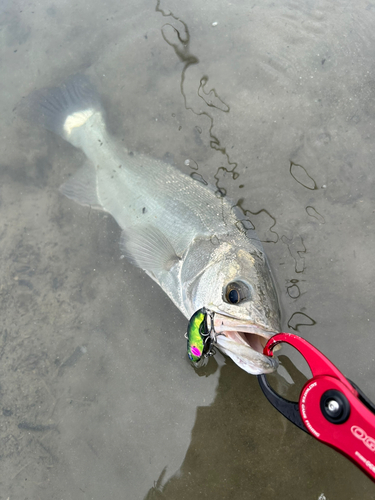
(148, 248)
(82, 187)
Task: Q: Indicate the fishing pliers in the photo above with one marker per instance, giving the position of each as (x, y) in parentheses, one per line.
(331, 408)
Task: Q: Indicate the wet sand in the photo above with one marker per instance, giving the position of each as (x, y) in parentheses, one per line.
(97, 397)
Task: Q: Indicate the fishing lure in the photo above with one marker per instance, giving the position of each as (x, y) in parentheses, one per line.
(200, 337)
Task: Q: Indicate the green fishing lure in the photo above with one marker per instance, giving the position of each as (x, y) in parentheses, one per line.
(200, 337)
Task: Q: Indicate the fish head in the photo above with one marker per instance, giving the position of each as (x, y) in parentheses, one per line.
(236, 284)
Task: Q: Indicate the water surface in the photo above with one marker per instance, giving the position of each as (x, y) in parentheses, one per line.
(272, 102)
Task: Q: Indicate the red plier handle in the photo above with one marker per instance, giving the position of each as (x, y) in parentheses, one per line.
(330, 407)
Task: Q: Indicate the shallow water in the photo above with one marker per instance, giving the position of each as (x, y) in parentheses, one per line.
(275, 105)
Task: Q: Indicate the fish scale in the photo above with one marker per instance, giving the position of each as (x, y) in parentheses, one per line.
(174, 202)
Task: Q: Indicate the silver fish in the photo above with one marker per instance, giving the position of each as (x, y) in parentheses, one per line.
(190, 241)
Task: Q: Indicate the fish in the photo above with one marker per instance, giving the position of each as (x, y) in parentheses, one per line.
(196, 244)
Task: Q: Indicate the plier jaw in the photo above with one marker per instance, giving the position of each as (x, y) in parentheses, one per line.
(331, 408)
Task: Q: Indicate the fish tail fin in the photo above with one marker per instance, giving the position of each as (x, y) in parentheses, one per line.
(61, 109)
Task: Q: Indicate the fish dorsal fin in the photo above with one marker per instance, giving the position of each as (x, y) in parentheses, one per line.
(82, 187)
(148, 248)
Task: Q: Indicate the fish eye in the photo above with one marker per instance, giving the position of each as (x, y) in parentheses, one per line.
(235, 292)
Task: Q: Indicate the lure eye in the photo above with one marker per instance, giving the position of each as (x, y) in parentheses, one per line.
(235, 292)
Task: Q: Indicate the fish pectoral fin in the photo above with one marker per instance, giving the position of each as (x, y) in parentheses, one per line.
(82, 187)
(148, 248)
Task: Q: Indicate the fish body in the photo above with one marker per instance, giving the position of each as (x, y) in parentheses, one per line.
(195, 244)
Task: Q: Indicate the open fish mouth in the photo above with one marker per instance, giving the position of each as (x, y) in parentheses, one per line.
(244, 342)
(256, 342)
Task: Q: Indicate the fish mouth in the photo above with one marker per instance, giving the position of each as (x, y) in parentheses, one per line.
(244, 341)
(253, 340)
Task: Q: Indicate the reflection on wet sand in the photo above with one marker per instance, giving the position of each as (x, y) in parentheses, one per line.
(229, 454)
